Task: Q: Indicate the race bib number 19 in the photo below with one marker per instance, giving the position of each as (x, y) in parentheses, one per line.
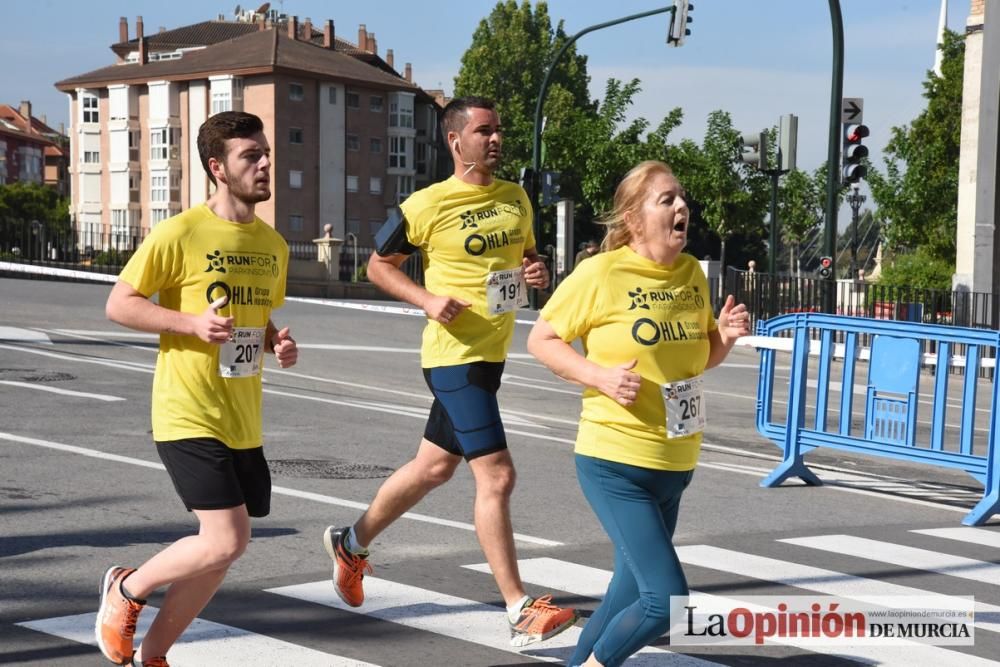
(506, 291)
(239, 357)
(685, 407)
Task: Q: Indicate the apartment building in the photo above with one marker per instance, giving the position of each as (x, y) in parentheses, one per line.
(349, 135)
(50, 166)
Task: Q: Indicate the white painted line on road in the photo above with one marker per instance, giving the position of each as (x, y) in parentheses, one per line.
(280, 490)
(371, 307)
(203, 643)
(904, 556)
(807, 577)
(64, 392)
(103, 335)
(982, 536)
(593, 582)
(16, 335)
(357, 348)
(15, 267)
(123, 365)
(444, 615)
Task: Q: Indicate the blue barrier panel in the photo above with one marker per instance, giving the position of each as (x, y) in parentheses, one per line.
(894, 353)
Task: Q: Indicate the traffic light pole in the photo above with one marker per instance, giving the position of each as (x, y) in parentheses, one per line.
(833, 152)
(536, 150)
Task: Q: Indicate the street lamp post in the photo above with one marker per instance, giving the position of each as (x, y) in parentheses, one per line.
(855, 199)
(531, 184)
(833, 153)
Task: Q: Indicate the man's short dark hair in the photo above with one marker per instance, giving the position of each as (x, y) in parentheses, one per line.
(213, 133)
(455, 114)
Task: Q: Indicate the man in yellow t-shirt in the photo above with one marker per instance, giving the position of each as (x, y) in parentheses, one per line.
(219, 271)
(475, 238)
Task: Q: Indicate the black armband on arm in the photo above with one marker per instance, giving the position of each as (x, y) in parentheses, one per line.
(391, 236)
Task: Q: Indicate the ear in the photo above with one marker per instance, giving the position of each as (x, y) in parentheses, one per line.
(217, 170)
(453, 141)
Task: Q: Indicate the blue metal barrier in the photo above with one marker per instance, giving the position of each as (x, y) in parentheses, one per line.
(895, 353)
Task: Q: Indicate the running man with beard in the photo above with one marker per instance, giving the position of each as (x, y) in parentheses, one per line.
(219, 271)
(474, 234)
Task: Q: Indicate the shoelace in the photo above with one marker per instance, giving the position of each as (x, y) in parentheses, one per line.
(538, 610)
(129, 618)
(358, 567)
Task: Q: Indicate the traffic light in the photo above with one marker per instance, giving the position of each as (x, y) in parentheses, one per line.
(753, 149)
(825, 267)
(550, 187)
(854, 153)
(679, 20)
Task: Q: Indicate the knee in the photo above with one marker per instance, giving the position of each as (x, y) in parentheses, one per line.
(438, 473)
(500, 482)
(224, 550)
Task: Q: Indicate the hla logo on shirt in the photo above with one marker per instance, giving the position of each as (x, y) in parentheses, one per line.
(248, 263)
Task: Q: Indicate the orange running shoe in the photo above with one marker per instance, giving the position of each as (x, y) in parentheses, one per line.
(540, 620)
(116, 618)
(348, 568)
(160, 661)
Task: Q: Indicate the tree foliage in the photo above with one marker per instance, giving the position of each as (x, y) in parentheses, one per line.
(917, 196)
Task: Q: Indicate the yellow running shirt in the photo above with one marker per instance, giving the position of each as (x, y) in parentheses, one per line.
(191, 260)
(466, 232)
(623, 307)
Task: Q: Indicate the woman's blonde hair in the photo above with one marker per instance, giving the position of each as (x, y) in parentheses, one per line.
(628, 197)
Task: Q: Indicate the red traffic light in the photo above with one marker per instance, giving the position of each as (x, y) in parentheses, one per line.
(826, 262)
(855, 133)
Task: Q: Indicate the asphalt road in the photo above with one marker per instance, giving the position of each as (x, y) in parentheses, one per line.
(80, 490)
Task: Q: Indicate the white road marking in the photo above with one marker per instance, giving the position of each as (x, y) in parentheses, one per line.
(16, 335)
(593, 582)
(904, 556)
(280, 490)
(450, 616)
(64, 392)
(203, 643)
(983, 536)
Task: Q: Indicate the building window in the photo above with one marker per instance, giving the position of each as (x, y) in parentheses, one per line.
(295, 135)
(296, 92)
(3, 162)
(400, 112)
(421, 158)
(158, 189)
(332, 96)
(294, 179)
(353, 100)
(157, 215)
(375, 103)
(90, 112)
(352, 183)
(295, 223)
(404, 187)
(354, 226)
(161, 140)
(375, 185)
(91, 157)
(374, 224)
(397, 152)
(375, 145)
(221, 101)
(237, 88)
(353, 143)
(133, 145)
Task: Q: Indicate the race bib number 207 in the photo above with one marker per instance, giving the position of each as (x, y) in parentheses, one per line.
(239, 357)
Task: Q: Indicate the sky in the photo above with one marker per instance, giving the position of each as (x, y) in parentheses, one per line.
(757, 59)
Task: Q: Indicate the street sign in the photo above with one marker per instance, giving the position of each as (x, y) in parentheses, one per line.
(852, 110)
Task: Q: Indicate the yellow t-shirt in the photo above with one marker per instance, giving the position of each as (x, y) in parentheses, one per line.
(464, 233)
(623, 307)
(191, 260)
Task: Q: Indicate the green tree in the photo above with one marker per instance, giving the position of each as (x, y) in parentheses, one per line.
(917, 196)
(510, 52)
(21, 204)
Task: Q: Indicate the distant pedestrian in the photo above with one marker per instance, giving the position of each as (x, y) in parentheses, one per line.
(588, 250)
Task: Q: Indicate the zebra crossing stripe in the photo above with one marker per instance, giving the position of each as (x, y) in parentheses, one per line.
(898, 554)
(203, 643)
(593, 582)
(964, 534)
(807, 577)
(458, 618)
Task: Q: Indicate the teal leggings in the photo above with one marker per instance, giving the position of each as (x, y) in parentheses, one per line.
(638, 509)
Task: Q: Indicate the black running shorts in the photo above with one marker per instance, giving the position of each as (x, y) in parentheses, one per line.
(465, 417)
(208, 475)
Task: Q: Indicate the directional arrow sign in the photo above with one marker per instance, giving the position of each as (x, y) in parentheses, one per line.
(852, 110)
